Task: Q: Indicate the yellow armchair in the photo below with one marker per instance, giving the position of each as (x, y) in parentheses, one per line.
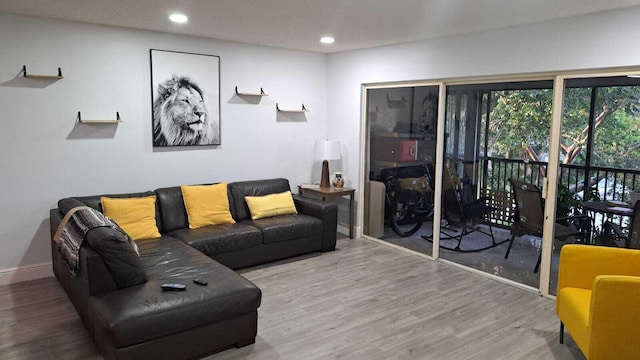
(598, 300)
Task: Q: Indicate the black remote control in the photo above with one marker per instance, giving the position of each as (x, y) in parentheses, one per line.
(173, 287)
(200, 282)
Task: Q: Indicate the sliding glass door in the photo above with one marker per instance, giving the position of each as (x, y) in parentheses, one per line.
(401, 123)
(497, 138)
(498, 176)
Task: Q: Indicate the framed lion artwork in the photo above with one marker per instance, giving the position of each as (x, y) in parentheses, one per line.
(185, 98)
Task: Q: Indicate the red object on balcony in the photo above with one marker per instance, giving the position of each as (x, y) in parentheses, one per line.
(395, 150)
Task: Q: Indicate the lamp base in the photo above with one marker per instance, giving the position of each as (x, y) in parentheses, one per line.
(324, 178)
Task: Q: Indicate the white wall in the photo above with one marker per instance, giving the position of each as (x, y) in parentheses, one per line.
(595, 41)
(45, 155)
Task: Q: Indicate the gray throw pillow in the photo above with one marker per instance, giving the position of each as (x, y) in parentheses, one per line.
(121, 259)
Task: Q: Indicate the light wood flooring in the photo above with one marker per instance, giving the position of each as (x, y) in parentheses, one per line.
(518, 267)
(363, 301)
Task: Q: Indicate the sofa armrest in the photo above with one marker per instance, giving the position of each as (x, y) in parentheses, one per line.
(327, 212)
(614, 318)
(93, 275)
(55, 217)
(580, 264)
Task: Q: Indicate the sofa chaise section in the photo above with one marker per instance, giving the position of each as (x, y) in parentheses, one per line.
(145, 322)
(142, 321)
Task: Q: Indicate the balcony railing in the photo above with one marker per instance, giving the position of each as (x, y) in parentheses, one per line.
(587, 183)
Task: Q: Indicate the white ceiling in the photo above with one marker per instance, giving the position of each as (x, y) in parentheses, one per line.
(299, 24)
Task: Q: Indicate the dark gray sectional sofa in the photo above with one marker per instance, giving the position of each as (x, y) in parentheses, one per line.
(118, 296)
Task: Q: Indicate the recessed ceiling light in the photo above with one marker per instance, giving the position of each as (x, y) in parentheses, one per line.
(634, 76)
(178, 18)
(327, 40)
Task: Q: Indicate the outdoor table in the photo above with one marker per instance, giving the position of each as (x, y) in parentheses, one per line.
(607, 209)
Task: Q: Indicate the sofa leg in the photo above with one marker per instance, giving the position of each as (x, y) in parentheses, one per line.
(561, 332)
(245, 342)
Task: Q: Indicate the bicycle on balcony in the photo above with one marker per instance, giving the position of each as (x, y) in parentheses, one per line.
(408, 198)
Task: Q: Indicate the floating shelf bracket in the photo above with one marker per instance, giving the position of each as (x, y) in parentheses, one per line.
(24, 73)
(304, 109)
(261, 93)
(116, 121)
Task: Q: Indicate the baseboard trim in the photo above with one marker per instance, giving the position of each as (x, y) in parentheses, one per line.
(343, 229)
(25, 273)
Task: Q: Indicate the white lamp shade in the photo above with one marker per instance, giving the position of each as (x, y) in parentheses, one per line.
(327, 150)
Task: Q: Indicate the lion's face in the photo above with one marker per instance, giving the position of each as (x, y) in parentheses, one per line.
(185, 109)
(180, 116)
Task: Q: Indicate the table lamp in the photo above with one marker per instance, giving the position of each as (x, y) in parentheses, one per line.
(327, 150)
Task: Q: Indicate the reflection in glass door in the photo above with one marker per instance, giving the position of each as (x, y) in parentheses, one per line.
(399, 162)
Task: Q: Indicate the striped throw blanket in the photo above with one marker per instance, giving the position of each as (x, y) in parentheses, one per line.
(74, 227)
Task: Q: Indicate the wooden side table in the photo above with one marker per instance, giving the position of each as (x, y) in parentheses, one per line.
(325, 193)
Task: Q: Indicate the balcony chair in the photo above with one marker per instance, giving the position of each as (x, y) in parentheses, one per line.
(597, 301)
(530, 214)
(463, 214)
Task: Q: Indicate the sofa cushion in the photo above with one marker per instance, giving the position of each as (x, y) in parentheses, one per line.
(271, 205)
(172, 210)
(145, 312)
(207, 205)
(218, 239)
(94, 201)
(136, 216)
(287, 227)
(239, 190)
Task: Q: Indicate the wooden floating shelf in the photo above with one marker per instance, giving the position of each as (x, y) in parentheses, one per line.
(304, 109)
(31, 76)
(261, 93)
(116, 121)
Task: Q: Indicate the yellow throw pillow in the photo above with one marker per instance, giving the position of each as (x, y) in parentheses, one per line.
(136, 216)
(271, 205)
(207, 205)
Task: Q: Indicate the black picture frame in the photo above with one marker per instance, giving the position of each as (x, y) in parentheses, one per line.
(185, 98)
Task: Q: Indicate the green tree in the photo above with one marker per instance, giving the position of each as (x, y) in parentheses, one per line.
(520, 122)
